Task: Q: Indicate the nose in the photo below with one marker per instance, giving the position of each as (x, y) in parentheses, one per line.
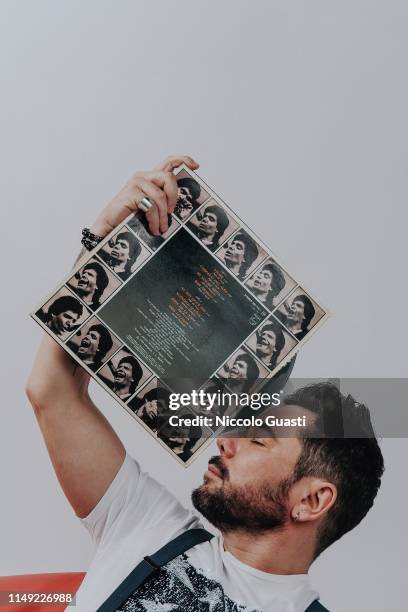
(227, 447)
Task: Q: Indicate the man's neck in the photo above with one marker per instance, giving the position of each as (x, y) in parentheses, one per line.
(86, 296)
(122, 389)
(88, 360)
(261, 295)
(264, 356)
(294, 326)
(207, 239)
(282, 552)
(237, 384)
(234, 267)
(117, 265)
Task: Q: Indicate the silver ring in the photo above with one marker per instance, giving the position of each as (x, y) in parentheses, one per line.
(145, 204)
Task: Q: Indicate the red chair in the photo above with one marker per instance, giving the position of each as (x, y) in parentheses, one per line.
(68, 582)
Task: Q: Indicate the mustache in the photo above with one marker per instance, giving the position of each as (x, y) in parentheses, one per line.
(220, 465)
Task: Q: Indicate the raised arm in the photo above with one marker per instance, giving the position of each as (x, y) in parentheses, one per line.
(84, 449)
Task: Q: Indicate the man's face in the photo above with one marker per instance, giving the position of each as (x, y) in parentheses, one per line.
(266, 342)
(150, 407)
(247, 485)
(296, 312)
(208, 224)
(123, 373)
(239, 369)
(121, 250)
(87, 281)
(263, 280)
(89, 344)
(235, 252)
(184, 206)
(64, 321)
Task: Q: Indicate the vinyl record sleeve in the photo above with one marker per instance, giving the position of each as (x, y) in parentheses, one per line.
(186, 304)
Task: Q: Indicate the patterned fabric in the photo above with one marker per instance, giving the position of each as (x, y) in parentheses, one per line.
(179, 587)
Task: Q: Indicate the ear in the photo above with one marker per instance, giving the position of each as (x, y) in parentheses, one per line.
(317, 496)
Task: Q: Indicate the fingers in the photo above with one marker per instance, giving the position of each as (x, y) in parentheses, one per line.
(174, 161)
(167, 181)
(157, 215)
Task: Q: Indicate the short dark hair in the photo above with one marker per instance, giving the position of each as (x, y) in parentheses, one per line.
(308, 308)
(137, 371)
(252, 369)
(222, 218)
(134, 248)
(105, 342)
(102, 279)
(278, 279)
(280, 339)
(353, 464)
(251, 251)
(64, 303)
(191, 185)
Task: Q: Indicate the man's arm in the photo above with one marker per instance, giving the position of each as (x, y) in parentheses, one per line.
(84, 449)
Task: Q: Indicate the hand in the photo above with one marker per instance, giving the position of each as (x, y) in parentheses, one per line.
(159, 185)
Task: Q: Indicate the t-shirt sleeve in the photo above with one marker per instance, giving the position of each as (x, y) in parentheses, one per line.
(136, 499)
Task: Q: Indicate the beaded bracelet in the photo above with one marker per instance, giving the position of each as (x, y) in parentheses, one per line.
(90, 240)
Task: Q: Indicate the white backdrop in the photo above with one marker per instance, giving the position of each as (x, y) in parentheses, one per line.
(297, 113)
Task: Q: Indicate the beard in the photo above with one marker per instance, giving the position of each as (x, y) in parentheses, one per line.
(250, 508)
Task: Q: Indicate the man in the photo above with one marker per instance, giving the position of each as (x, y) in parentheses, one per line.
(150, 407)
(267, 283)
(93, 347)
(298, 315)
(279, 502)
(126, 377)
(92, 281)
(182, 439)
(61, 316)
(124, 249)
(242, 374)
(269, 343)
(211, 227)
(188, 193)
(240, 254)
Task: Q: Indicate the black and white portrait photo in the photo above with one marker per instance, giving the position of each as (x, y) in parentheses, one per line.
(212, 225)
(93, 344)
(270, 283)
(63, 313)
(93, 283)
(124, 374)
(151, 405)
(190, 195)
(123, 253)
(299, 314)
(182, 440)
(138, 223)
(242, 371)
(241, 254)
(215, 388)
(271, 343)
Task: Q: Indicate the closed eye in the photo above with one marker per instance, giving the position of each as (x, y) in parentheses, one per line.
(255, 441)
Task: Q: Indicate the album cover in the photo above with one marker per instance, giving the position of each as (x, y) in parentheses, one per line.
(206, 299)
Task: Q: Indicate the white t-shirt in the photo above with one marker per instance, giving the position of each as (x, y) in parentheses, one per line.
(135, 518)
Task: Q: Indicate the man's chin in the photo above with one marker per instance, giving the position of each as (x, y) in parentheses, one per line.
(229, 510)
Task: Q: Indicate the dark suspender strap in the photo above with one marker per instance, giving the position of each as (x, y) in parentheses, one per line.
(316, 606)
(152, 563)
